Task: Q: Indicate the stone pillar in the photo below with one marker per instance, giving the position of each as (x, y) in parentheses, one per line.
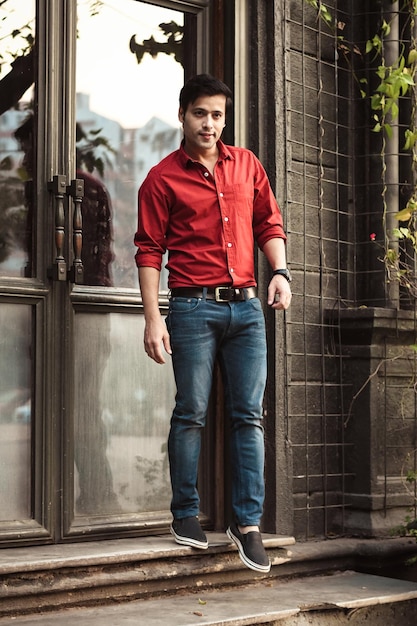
(379, 376)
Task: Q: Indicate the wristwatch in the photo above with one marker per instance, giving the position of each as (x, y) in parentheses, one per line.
(284, 272)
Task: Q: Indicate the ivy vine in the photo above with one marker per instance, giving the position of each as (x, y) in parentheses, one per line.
(394, 82)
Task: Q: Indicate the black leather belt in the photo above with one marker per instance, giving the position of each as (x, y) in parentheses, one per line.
(219, 294)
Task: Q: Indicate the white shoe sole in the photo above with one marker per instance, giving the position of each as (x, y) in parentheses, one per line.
(187, 541)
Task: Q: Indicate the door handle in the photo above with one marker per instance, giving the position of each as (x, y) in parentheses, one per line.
(58, 186)
(76, 191)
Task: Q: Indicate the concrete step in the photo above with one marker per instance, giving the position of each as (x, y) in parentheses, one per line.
(341, 598)
(44, 577)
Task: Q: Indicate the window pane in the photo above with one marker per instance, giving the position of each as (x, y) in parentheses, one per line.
(16, 137)
(127, 104)
(15, 412)
(123, 405)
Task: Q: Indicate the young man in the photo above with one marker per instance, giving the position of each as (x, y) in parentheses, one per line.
(207, 203)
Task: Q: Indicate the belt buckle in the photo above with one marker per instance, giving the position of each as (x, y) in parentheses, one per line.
(217, 294)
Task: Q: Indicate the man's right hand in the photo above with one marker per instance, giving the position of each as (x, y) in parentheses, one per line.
(155, 336)
(156, 333)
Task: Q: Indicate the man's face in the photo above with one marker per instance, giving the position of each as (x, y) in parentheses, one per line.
(203, 123)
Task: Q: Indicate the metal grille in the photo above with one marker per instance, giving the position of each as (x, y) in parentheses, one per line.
(319, 250)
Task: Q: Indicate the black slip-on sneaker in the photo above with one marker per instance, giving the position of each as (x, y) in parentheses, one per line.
(251, 549)
(188, 532)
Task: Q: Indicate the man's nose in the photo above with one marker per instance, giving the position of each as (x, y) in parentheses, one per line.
(208, 121)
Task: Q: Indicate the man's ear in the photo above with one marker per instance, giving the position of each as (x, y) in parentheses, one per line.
(181, 115)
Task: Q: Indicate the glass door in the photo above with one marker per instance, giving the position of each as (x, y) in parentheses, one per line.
(89, 99)
(126, 121)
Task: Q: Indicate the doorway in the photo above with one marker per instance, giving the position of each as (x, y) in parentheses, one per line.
(89, 97)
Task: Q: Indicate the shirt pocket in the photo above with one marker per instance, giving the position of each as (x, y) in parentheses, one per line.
(242, 194)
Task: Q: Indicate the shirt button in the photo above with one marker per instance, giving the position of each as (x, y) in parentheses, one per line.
(231, 270)
(226, 219)
(206, 174)
(221, 195)
(229, 245)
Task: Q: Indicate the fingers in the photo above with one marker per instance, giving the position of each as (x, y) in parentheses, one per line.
(155, 338)
(279, 294)
(154, 349)
(281, 303)
(154, 353)
(167, 344)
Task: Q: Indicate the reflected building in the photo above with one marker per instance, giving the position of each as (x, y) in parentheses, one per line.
(133, 151)
(127, 155)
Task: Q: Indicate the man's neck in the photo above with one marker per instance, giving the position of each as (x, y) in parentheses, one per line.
(206, 157)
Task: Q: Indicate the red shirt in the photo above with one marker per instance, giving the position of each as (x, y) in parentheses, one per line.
(207, 223)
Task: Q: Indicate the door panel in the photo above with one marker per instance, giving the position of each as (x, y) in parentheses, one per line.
(15, 411)
(122, 409)
(127, 105)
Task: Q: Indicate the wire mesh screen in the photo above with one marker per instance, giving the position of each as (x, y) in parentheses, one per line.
(351, 438)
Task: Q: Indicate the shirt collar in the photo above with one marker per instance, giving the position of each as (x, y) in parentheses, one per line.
(224, 153)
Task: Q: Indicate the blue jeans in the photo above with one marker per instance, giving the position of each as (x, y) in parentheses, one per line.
(202, 330)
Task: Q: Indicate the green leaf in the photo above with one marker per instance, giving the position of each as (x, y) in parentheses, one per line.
(412, 57)
(388, 130)
(404, 215)
(376, 102)
(381, 72)
(369, 46)
(385, 28)
(410, 139)
(407, 78)
(391, 255)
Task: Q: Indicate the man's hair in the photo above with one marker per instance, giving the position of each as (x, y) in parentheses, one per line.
(203, 85)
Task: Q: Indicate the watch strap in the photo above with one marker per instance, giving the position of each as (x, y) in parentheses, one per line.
(282, 272)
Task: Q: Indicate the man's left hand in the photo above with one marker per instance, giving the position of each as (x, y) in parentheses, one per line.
(279, 293)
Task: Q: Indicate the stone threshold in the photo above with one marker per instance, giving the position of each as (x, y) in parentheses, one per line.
(143, 549)
(121, 551)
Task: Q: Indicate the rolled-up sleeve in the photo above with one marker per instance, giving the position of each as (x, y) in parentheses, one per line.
(267, 217)
(153, 214)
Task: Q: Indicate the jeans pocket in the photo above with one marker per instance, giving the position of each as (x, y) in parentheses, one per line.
(256, 304)
(183, 305)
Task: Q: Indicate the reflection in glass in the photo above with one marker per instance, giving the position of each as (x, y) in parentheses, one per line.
(15, 411)
(16, 149)
(123, 404)
(127, 104)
